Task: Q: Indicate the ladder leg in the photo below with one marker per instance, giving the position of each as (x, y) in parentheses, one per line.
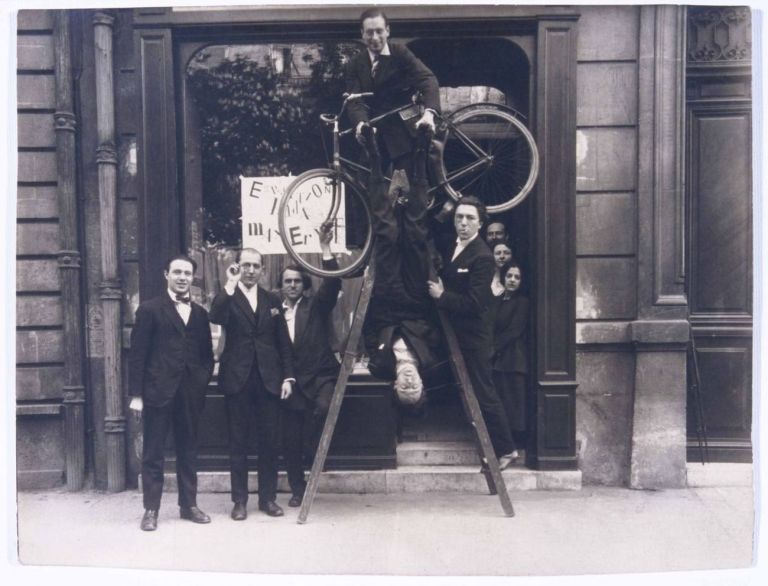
(496, 483)
(348, 363)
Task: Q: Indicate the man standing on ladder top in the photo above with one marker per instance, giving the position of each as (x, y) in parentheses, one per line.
(393, 74)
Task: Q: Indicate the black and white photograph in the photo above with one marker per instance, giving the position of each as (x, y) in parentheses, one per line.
(383, 290)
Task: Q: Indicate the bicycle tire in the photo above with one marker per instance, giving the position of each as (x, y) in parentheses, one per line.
(504, 181)
(358, 227)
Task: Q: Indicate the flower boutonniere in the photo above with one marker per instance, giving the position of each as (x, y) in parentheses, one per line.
(274, 312)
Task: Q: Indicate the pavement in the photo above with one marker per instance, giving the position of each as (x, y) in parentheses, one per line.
(595, 530)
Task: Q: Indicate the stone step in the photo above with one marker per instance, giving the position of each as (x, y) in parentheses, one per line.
(405, 479)
(437, 453)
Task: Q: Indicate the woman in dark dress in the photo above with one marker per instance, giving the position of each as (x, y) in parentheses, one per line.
(510, 345)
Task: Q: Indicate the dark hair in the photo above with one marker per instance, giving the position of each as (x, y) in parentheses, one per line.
(471, 200)
(510, 264)
(373, 13)
(242, 250)
(495, 242)
(305, 278)
(183, 257)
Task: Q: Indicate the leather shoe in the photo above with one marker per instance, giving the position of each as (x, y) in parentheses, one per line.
(507, 460)
(271, 508)
(194, 514)
(295, 500)
(239, 512)
(149, 520)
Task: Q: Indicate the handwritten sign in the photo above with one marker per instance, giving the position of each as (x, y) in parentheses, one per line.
(306, 210)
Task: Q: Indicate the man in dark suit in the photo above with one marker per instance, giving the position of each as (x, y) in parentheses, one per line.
(170, 364)
(256, 370)
(315, 366)
(463, 293)
(393, 74)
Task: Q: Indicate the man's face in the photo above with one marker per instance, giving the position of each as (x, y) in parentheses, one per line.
(512, 279)
(179, 276)
(501, 254)
(496, 231)
(408, 383)
(250, 266)
(466, 221)
(292, 285)
(375, 34)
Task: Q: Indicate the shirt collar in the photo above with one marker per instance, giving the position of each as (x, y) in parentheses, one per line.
(246, 291)
(384, 51)
(288, 307)
(172, 295)
(465, 243)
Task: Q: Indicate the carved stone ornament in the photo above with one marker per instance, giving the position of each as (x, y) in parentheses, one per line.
(717, 34)
(114, 424)
(111, 290)
(69, 259)
(106, 154)
(74, 394)
(104, 19)
(65, 121)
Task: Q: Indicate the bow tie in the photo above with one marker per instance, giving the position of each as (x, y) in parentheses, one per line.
(182, 298)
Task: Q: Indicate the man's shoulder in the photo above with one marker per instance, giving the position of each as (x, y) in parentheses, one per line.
(398, 49)
(274, 298)
(152, 303)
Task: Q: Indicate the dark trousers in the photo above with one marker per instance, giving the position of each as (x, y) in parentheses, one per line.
(182, 414)
(478, 364)
(240, 407)
(403, 251)
(302, 429)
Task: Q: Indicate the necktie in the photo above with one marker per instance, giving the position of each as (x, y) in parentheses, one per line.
(374, 66)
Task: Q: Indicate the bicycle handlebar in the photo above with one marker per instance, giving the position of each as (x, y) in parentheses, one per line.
(331, 118)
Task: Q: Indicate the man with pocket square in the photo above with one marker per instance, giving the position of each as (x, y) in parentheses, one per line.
(463, 293)
(255, 372)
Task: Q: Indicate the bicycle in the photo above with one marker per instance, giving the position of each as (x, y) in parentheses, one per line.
(482, 149)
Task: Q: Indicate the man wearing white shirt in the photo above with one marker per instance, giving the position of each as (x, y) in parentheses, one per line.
(169, 366)
(256, 372)
(315, 366)
(463, 293)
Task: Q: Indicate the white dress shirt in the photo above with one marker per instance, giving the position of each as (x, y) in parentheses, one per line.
(461, 245)
(183, 309)
(252, 294)
(290, 317)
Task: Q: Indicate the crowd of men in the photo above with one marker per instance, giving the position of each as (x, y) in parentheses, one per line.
(277, 361)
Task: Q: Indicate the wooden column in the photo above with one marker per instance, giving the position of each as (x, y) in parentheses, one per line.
(69, 258)
(111, 293)
(555, 407)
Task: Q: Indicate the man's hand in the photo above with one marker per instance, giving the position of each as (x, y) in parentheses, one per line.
(436, 289)
(427, 120)
(136, 404)
(233, 277)
(326, 235)
(286, 390)
(359, 132)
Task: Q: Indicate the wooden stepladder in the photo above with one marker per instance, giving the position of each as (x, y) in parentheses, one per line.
(492, 472)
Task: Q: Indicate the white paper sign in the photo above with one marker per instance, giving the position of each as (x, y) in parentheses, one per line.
(260, 198)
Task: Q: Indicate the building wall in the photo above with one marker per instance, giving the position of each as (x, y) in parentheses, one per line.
(39, 335)
(606, 235)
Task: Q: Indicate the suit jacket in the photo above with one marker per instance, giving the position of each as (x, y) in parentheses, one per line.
(467, 297)
(260, 337)
(163, 349)
(398, 76)
(314, 361)
(510, 346)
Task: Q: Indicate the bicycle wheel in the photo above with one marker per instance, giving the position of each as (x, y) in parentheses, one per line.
(314, 198)
(488, 153)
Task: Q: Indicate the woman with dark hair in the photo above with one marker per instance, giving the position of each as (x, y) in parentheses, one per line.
(510, 349)
(502, 254)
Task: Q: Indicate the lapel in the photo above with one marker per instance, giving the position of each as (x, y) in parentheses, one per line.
(464, 252)
(169, 308)
(242, 302)
(302, 316)
(263, 308)
(383, 70)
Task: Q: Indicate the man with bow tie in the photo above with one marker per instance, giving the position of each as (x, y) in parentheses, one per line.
(255, 372)
(393, 74)
(170, 364)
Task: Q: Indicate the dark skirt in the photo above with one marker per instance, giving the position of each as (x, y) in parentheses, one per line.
(512, 391)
